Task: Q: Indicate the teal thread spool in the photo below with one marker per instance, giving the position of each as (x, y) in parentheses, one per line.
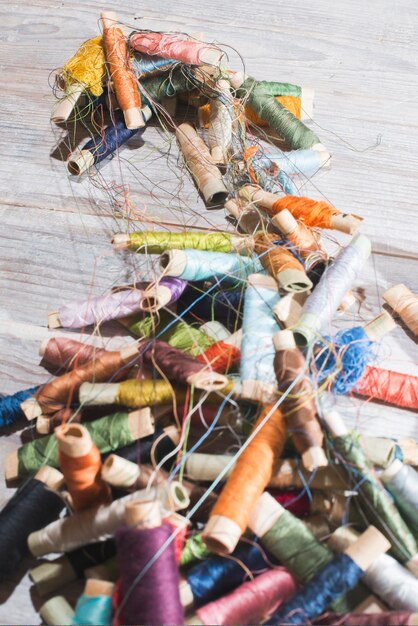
(203, 265)
(94, 606)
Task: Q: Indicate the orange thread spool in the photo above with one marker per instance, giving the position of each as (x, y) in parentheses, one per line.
(391, 387)
(121, 72)
(281, 264)
(312, 212)
(80, 461)
(292, 103)
(297, 233)
(220, 356)
(251, 474)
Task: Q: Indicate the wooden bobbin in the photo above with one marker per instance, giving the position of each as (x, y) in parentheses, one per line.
(289, 308)
(379, 326)
(64, 107)
(57, 612)
(119, 472)
(249, 219)
(173, 262)
(265, 514)
(50, 477)
(143, 513)
(367, 548)
(52, 575)
(197, 156)
(403, 302)
(96, 587)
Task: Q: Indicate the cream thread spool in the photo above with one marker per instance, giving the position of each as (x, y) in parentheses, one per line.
(248, 219)
(405, 304)
(220, 122)
(201, 165)
(57, 612)
(289, 308)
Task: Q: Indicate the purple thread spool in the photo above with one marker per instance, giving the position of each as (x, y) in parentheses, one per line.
(101, 309)
(155, 598)
(161, 293)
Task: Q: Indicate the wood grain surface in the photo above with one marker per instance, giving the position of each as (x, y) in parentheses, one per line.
(362, 60)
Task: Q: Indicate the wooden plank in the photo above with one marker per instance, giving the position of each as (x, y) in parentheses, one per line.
(57, 229)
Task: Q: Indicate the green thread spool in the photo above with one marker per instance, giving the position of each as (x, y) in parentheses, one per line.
(179, 335)
(108, 433)
(166, 86)
(380, 509)
(283, 122)
(194, 550)
(288, 539)
(159, 242)
(139, 393)
(273, 88)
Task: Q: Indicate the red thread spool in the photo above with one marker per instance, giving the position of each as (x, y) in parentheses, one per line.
(391, 387)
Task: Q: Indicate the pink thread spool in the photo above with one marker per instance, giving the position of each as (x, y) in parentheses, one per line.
(175, 47)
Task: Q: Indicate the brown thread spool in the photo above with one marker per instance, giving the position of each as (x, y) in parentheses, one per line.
(60, 352)
(281, 264)
(248, 219)
(117, 56)
(299, 406)
(80, 462)
(201, 165)
(251, 474)
(405, 304)
(180, 367)
(55, 394)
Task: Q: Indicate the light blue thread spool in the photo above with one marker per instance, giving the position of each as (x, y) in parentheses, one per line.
(257, 374)
(322, 304)
(402, 482)
(296, 162)
(93, 611)
(202, 265)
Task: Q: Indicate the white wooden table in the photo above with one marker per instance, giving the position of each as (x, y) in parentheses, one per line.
(362, 60)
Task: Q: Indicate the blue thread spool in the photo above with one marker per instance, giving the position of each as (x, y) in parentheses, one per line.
(10, 411)
(257, 374)
(94, 606)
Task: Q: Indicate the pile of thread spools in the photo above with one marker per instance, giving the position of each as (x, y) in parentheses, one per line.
(195, 475)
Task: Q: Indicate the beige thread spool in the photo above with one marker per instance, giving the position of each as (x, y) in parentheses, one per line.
(220, 122)
(405, 304)
(201, 165)
(57, 612)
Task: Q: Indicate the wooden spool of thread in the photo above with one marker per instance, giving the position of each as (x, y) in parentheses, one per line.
(84, 71)
(312, 212)
(179, 367)
(149, 583)
(299, 407)
(57, 612)
(122, 473)
(302, 238)
(179, 48)
(258, 380)
(83, 528)
(64, 389)
(121, 73)
(130, 393)
(36, 504)
(51, 575)
(201, 265)
(220, 122)
(281, 264)
(251, 474)
(108, 433)
(247, 218)
(289, 308)
(405, 304)
(152, 242)
(94, 606)
(201, 165)
(378, 503)
(391, 387)
(337, 577)
(80, 462)
(289, 474)
(62, 353)
(381, 575)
